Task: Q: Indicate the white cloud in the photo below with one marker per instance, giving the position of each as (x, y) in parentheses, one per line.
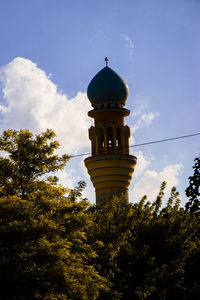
(142, 163)
(32, 100)
(143, 120)
(150, 183)
(147, 181)
(129, 43)
(67, 178)
(140, 120)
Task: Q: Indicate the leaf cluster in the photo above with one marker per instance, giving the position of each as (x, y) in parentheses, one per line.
(44, 250)
(147, 251)
(26, 159)
(56, 245)
(193, 190)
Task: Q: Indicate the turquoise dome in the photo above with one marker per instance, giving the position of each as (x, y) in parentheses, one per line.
(106, 86)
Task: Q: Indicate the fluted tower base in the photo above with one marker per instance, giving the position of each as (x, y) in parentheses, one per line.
(110, 174)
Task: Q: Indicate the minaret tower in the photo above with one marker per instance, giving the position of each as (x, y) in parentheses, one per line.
(110, 166)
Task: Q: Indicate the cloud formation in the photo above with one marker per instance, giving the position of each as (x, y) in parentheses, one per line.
(31, 100)
(146, 180)
(140, 120)
(143, 162)
(151, 180)
(143, 120)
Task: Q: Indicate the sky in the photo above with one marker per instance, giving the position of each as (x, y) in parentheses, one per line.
(49, 52)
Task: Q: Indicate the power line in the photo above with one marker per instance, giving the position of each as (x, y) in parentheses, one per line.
(166, 140)
(144, 144)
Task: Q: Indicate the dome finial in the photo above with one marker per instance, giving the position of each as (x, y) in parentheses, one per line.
(106, 60)
(107, 85)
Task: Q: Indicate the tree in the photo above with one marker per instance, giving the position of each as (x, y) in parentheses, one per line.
(44, 252)
(193, 190)
(55, 245)
(26, 160)
(146, 251)
(107, 236)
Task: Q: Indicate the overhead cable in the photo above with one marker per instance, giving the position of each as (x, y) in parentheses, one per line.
(143, 144)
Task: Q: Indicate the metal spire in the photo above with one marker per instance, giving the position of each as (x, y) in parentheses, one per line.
(106, 60)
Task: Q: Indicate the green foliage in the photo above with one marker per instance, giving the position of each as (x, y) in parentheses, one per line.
(44, 250)
(26, 159)
(145, 251)
(76, 193)
(55, 245)
(193, 190)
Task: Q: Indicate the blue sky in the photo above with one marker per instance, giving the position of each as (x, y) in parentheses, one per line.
(50, 50)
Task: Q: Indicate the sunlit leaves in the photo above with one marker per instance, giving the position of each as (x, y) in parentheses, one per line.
(27, 158)
(44, 249)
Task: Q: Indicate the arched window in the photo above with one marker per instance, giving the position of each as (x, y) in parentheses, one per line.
(110, 140)
(100, 137)
(102, 105)
(109, 105)
(102, 141)
(118, 139)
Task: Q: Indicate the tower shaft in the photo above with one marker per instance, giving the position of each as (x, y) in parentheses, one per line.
(110, 166)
